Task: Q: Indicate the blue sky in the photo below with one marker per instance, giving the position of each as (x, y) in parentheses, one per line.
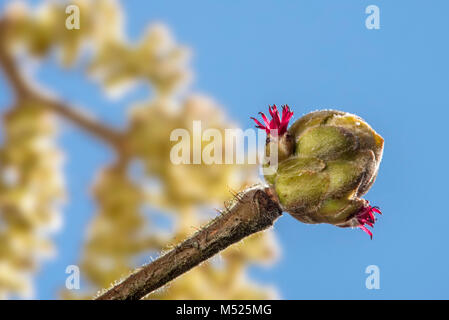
(311, 55)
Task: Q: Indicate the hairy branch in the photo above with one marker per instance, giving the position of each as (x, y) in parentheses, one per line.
(255, 210)
(24, 90)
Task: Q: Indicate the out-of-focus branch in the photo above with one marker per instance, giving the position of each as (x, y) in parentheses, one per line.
(255, 210)
(24, 90)
(12, 73)
(97, 129)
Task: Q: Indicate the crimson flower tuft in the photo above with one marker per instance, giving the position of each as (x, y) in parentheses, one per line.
(277, 123)
(366, 216)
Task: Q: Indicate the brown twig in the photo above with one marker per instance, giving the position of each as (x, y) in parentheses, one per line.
(253, 212)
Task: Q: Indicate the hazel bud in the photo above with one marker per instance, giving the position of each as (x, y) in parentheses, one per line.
(327, 161)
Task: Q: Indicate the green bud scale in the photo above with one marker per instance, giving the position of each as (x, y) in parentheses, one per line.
(327, 160)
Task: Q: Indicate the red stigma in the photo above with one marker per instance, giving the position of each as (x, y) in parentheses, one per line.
(277, 123)
(366, 217)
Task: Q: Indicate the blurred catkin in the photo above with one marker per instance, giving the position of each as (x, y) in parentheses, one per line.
(29, 209)
(123, 232)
